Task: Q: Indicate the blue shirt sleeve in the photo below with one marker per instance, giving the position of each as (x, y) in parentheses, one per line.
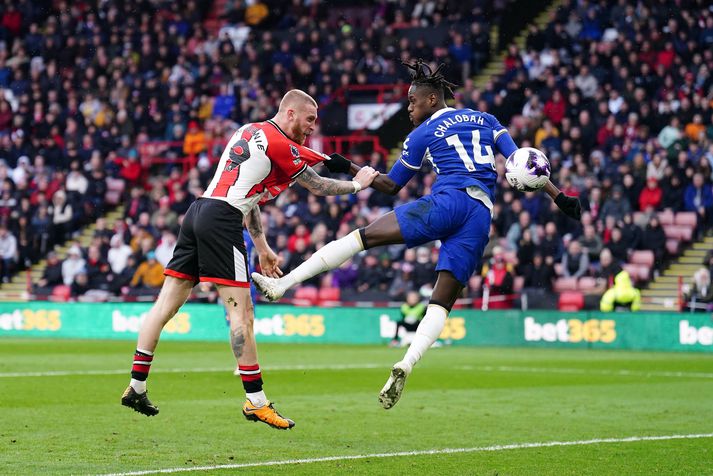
(501, 137)
(412, 154)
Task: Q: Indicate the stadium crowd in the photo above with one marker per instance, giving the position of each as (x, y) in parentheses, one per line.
(618, 95)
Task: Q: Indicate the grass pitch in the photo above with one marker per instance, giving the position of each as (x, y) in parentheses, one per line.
(60, 411)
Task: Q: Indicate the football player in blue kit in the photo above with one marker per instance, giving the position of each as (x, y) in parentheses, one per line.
(461, 146)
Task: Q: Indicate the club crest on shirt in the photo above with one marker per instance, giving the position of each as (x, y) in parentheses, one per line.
(296, 154)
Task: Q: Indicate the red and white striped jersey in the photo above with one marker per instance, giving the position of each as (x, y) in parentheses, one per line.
(259, 163)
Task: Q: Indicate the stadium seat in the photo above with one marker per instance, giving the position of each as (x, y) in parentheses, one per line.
(689, 219)
(571, 301)
(637, 272)
(307, 294)
(675, 232)
(685, 233)
(565, 284)
(61, 293)
(642, 257)
(672, 246)
(666, 217)
(329, 294)
(586, 283)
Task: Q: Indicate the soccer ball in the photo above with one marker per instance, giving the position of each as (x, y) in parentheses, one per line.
(527, 169)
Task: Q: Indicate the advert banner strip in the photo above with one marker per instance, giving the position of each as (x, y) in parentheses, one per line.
(276, 323)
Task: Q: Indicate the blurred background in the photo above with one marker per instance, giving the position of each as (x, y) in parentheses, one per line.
(114, 114)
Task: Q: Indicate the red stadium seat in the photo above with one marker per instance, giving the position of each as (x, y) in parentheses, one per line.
(586, 283)
(307, 294)
(329, 294)
(571, 301)
(666, 217)
(672, 232)
(642, 257)
(565, 284)
(672, 246)
(61, 293)
(688, 219)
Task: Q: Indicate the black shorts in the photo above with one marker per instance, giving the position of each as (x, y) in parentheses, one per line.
(210, 245)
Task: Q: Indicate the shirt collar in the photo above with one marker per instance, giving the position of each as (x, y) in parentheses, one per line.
(441, 111)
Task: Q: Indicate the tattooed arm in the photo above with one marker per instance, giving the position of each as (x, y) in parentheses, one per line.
(319, 185)
(269, 261)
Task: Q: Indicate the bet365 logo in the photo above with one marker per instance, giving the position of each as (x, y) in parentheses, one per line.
(570, 330)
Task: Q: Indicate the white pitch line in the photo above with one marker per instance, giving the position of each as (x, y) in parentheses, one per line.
(65, 373)
(277, 368)
(574, 371)
(478, 449)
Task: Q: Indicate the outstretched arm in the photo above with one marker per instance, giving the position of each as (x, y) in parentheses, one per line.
(382, 183)
(570, 206)
(319, 185)
(269, 260)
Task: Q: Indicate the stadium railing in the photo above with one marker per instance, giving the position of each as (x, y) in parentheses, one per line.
(163, 152)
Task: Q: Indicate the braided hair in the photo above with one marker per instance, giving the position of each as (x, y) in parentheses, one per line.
(423, 75)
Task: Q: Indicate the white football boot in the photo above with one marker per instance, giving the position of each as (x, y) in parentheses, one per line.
(269, 287)
(391, 392)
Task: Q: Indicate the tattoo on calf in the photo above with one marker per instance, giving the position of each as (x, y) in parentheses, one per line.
(237, 342)
(232, 301)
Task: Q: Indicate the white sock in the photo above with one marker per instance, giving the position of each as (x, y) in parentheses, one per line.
(428, 331)
(139, 386)
(328, 257)
(258, 398)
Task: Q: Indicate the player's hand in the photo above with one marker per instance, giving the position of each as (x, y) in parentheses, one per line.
(337, 163)
(270, 264)
(365, 176)
(570, 206)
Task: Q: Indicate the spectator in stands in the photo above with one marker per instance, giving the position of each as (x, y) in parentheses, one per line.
(672, 197)
(607, 269)
(8, 253)
(345, 277)
(575, 263)
(499, 282)
(699, 198)
(514, 234)
(538, 275)
(622, 294)
(654, 239)
(62, 214)
(164, 250)
(96, 268)
(195, 140)
(617, 205)
(149, 274)
(525, 251)
(631, 233)
(618, 247)
(651, 196)
(424, 268)
(51, 275)
(591, 242)
(699, 297)
(164, 215)
(72, 265)
(80, 285)
(551, 244)
(118, 254)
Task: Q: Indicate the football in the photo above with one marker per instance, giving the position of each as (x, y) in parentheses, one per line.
(527, 169)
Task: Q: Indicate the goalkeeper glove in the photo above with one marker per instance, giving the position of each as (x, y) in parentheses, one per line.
(338, 164)
(570, 206)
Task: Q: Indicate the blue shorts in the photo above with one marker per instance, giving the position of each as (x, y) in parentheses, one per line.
(461, 222)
